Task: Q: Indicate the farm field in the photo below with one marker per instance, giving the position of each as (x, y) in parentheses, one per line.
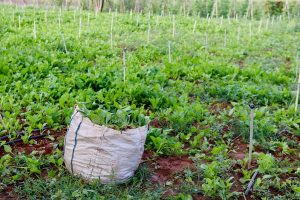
(191, 78)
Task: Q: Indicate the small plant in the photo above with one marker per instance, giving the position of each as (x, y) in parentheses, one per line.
(266, 163)
(216, 187)
(120, 119)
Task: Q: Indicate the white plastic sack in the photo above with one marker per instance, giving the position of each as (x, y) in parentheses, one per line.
(99, 152)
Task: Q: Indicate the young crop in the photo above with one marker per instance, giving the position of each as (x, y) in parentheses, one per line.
(178, 68)
(266, 163)
(217, 187)
(120, 119)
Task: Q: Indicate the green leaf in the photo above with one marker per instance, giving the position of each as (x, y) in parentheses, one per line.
(50, 137)
(7, 148)
(60, 161)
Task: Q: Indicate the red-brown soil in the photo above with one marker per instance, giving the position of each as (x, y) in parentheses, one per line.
(218, 107)
(239, 149)
(166, 168)
(41, 145)
(156, 123)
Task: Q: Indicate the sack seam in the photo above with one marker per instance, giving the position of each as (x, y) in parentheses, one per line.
(75, 144)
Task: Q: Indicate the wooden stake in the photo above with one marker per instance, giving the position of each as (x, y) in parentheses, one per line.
(206, 41)
(298, 82)
(111, 31)
(250, 30)
(137, 19)
(297, 94)
(260, 24)
(13, 18)
(148, 32)
(2, 122)
(173, 26)
(19, 22)
(221, 21)
(80, 24)
(46, 17)
(208, 21)
(272, 22)
(59, 21)
(267, 23)
(169, 51)
(34, 29)
(297, 63)
(239, 34)
(225, 38)
(194, 28)
(64, 41)
(124, 64)
(252, 107)
(149, 27)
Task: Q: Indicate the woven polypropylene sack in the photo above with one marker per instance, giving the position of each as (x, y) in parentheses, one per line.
(98, 152)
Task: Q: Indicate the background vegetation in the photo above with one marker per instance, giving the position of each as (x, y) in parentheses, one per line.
(255, 8)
